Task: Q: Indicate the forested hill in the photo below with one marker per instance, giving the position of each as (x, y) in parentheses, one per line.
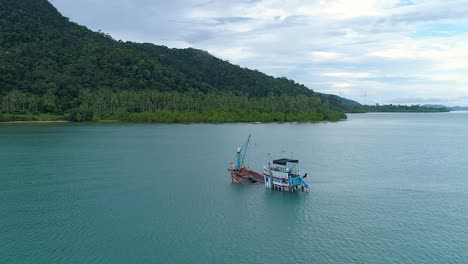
(52, 66)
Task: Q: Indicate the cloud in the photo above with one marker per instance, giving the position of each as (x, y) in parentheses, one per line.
(324, 55)
(344, 9)
(347, 74)
(341, 85)
(235, 54)
(384, 49)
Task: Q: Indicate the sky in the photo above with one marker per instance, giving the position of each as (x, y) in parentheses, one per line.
(371, 51)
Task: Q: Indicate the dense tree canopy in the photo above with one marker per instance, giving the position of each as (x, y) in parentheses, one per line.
(42, 51)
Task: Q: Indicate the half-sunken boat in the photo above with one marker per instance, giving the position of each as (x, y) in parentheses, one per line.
(239, 172)
(282, 175)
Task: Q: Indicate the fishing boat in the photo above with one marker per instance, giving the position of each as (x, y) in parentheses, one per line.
(239, 172)
(282, 175)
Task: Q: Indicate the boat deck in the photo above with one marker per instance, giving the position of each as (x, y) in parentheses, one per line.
(246, 176)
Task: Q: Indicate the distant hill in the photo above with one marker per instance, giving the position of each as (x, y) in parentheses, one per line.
(53, 66)
(459, 108)
(452, 108)
(435, 106)
(391, 108)
(343, 101)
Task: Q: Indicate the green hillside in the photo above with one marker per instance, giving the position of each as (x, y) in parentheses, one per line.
(53, 68)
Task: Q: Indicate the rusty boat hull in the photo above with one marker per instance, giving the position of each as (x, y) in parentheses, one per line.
(246, 176)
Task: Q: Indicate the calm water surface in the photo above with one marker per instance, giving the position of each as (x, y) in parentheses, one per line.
(386, 188)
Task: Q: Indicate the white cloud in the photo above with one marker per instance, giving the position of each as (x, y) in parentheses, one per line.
(341, 85)
(345, 9)
(324, 55)
(347, 74)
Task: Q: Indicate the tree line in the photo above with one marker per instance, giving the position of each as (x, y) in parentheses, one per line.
(193, 106)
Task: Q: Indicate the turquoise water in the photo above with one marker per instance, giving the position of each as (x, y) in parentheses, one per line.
(386, 188)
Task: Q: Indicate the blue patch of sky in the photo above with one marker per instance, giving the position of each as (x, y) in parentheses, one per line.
(440, 30)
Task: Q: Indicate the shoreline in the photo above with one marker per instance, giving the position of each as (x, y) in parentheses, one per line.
(164, 123)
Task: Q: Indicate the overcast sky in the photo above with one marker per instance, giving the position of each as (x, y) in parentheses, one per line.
(374, 51)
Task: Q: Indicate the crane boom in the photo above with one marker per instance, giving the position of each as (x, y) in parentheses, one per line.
(241, 152)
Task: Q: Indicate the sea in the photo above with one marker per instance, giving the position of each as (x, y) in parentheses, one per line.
(385, 188)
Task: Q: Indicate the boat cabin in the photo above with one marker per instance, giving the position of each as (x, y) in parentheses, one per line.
(284, 175)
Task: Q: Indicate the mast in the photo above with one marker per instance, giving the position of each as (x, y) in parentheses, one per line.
(238, 158)
(245, 150)
(241, 153)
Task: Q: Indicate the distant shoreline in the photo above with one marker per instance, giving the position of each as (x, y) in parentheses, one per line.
(150, 119)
